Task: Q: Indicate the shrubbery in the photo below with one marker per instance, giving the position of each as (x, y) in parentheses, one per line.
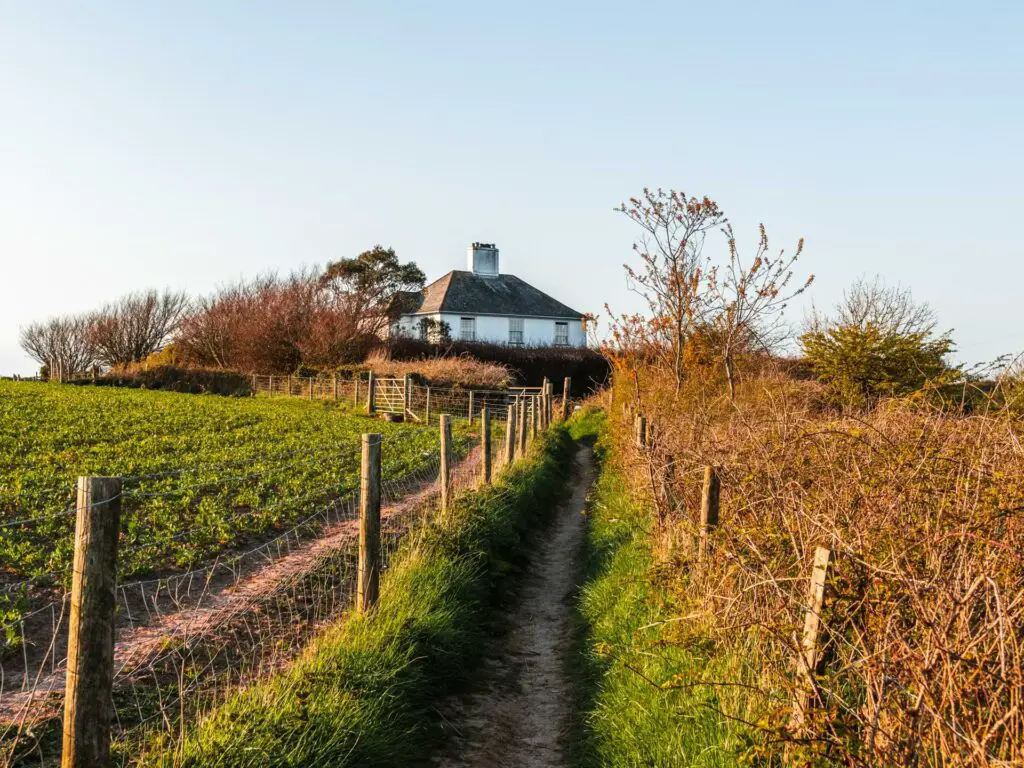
(877, 343)
(528, 366)
(176, 379)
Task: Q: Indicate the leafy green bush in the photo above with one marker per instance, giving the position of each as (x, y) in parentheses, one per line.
(864, 363)
(877, 343)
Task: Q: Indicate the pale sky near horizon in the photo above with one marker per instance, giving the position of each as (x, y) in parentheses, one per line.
(189, 144)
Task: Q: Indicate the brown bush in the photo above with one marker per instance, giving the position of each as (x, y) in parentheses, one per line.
(461, 370)
(588, 368)
(924, 622)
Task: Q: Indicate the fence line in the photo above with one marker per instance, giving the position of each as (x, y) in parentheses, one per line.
(417, 402)
(188, 640)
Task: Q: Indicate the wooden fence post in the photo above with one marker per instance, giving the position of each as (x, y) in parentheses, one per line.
(355, 390)
(522, 428)
(471, 406)
(253, 383)
(371, 391)
(709, 503)
(533, 418)
(641, 431)
(426, 418)
(270, 386)
(368, 587)
(566, 393)
(407, 393)
(88, 702)
(310, 387)
(510, 436)
(446, 478)
(810, 654)
(335, 383)
(485, 442)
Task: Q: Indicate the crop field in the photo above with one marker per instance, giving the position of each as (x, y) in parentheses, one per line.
(202, 473)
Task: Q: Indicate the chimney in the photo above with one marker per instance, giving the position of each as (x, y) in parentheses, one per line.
(482, 259)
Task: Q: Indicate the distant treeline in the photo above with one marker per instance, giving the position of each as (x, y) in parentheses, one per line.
(312, 319)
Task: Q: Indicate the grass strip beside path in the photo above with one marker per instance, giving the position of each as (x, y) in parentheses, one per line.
(364, 692)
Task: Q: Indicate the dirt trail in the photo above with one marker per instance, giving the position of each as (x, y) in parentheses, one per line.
(521, 715)
(221, 597)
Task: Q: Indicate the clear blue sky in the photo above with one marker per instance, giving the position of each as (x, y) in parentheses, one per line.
(186, 144)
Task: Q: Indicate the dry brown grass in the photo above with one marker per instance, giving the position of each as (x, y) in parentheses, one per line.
(463, 370)
(925, 614)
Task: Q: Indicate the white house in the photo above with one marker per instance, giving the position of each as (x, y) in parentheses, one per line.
(481, 304)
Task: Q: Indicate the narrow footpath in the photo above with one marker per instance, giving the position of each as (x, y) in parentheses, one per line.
(519, 715)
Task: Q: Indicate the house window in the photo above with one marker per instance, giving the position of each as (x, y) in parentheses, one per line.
(561, 334)
(515, 331)
(467, 328)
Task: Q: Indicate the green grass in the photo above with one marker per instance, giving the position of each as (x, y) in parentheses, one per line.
(253, 466)
(364, 693)
(634, 666)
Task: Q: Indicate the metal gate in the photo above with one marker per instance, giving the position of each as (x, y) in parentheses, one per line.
(390, 396)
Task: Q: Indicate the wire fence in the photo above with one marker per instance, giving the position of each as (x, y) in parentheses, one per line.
(865, 622)
(187, 639)
(420, 403)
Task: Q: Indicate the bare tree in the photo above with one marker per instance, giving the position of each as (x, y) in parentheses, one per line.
(61, 344)
(891, 309)
(136, 325)
(672, 263)
(747, 299)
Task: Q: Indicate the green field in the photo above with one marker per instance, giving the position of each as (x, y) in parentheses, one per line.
(203, 472)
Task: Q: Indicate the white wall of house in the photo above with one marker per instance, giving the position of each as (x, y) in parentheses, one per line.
(537, 331)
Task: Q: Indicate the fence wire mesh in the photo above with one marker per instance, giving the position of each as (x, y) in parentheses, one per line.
(186, 639)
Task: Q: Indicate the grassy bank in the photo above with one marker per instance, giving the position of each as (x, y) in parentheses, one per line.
(638, 672)
(364, 692)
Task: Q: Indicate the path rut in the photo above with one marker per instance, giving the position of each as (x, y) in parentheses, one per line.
(521, 715)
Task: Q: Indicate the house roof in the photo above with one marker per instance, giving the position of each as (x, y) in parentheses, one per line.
(461, 292)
